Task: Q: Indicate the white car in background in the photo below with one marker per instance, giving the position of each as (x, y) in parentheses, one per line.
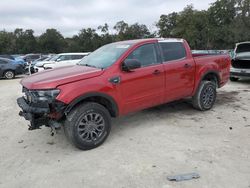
(60, 60)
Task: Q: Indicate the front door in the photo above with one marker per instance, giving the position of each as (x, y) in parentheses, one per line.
(143, 87)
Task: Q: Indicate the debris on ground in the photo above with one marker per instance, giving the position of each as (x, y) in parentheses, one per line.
(20, 141)
(183, 177)
(51, 143)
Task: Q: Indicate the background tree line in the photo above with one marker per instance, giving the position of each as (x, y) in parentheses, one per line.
(223, 24)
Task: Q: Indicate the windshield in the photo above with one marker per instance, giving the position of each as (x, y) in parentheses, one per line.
(105, 56)
(54, 58)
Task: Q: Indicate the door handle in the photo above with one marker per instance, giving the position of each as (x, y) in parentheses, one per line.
(156, 72)
(187, 65)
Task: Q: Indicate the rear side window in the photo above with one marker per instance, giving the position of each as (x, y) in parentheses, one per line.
(77, 57)
(64, 58)
(173, 50)
(146, 54)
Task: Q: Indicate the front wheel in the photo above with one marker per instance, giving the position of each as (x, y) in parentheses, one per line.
(88, 125)
(9, 74)
(205, 96)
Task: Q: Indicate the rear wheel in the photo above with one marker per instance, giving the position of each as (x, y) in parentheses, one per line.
(205, 96)
(9, 74)
(234, 79)
(88, 125)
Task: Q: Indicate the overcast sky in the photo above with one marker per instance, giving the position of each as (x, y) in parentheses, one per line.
(69, 16)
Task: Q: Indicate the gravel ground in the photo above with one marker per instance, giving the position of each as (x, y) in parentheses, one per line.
(141, 151)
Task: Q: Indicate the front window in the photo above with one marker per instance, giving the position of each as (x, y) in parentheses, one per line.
(145, 54)
(54, 58)
(105, 56)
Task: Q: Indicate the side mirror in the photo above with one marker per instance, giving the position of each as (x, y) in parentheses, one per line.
(131, 64)
(58, 60)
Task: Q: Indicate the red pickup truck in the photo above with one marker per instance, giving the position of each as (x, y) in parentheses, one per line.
(118, 79)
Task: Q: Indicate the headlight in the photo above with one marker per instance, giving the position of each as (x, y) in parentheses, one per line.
(46, 95)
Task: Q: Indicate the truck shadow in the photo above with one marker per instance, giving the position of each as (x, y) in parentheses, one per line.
(243, 81)
(179, 109)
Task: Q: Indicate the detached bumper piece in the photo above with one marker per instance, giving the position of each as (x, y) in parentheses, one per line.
(41, 113)
(35, 113)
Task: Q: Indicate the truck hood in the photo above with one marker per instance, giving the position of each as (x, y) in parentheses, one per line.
(50, 79)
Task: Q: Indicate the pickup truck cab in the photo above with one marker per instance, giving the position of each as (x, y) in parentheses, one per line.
(118, 79)
(240, 62)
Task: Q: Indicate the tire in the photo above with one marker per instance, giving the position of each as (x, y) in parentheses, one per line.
(205, 96)
(234, 79)
(87, 126)
(9, 74)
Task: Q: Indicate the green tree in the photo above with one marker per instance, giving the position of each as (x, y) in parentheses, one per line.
(6, 42)
(105, 37)
(52, 41)
(88, 40)
(25, 41)
(166, 25)
(135, 31)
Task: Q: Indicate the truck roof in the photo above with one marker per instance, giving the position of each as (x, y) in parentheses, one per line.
(85, 53)
(151, 39)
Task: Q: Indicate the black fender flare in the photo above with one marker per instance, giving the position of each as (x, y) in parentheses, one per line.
(216, 73)
(114, 106)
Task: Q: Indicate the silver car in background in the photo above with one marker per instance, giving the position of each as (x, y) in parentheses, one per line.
(240, 62)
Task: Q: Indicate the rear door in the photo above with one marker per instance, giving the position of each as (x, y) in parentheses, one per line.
(143, 87)
(179, 70)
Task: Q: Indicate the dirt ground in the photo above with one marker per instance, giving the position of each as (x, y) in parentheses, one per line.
(142, 150)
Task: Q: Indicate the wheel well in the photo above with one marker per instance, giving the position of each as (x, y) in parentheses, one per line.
(108, 104)
(213, 77)
(8, 70)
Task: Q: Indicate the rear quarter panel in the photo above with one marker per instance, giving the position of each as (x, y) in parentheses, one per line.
(219, 64)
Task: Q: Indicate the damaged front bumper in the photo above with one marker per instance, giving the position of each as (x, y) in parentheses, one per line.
(41, 113)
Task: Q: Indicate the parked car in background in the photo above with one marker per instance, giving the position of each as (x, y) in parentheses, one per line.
(7, 56)
(118, 79)
(31, 57)
(15, 59)
(9, 69)
(240, 62)
(60, 60)
(45, 58)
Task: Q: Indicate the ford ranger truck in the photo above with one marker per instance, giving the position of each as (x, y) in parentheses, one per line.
(240, 62)
(117, 79)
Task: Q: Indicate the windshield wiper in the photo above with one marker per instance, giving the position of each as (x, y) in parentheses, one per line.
(88, 65)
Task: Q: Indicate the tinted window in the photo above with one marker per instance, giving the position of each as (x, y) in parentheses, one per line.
(172, 50)
(35, 56)
(146, 54)
(64, 58)
(77, 57)
(3, 62)
(7, 56)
